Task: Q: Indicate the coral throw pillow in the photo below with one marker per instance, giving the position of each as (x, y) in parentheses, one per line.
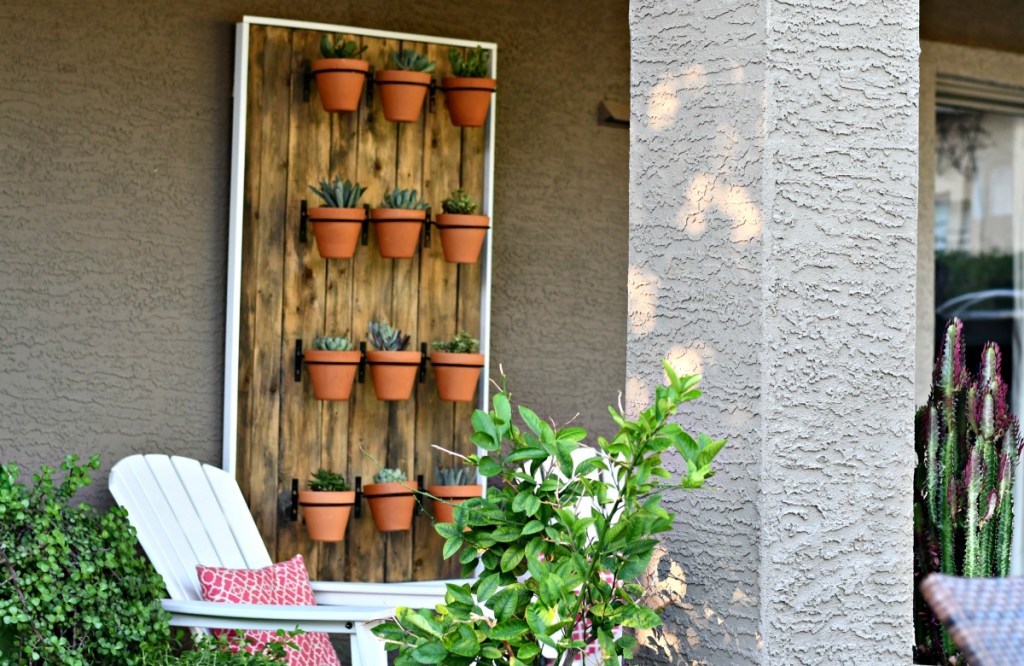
(282, 584)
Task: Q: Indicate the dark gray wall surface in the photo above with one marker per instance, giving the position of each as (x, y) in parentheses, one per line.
(115, 131)
(991, 24)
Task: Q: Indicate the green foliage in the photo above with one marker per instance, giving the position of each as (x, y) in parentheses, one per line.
(211, 651)
(325, 480)
(959, 272)
(459, 203)
(455, 476)
(541, 557)
(385, 338)
(461, 343)
(333, 343)
(411, 61)
(339, 194)
(389, 475)
(73, 588)
(474, 64)
(405, 199)
(339, 48)
(968, 445)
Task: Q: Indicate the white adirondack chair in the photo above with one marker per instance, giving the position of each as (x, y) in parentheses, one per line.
(187, 513)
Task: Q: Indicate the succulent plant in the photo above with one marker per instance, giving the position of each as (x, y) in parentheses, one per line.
(412, 61)
(473, 64)
(406, 199)
(385, 338)
(339, 194)
(388, 475)
(454, 476)
(325, 480)
(333, 343)
(459, 203)
(461, 343)
(339, 48)
(968, 444)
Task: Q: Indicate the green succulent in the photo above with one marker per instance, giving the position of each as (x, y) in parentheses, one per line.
(339, 194)
(333, 343)
(385, 338)
(459, 203)
(412, 61)
(473, 64)
(454, 476)
(325, 480)
(339, 48)
(461, 343)
(388, 475)
(406, 199)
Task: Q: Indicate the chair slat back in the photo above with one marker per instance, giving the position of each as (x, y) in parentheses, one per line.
(228, 495)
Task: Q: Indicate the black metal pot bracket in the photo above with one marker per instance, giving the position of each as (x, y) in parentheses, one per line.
(293, 508)
(299, 356)
(358, 508)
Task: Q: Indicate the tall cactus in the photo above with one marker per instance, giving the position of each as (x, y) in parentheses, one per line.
(968, 444)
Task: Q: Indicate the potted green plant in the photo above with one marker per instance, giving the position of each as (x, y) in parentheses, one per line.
(549, 569)
(397, 223)
(403, 89)
(453, 486)
(332, 364)
(457, 366)
(469, 91)
(392, 499)
(326, 505)
(340, 74)
(392, 368)
(462, 230)
(336, 224)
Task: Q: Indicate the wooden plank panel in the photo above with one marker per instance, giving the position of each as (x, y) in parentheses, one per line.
(247, 300)
(404, 299)
(436, 316)
(368, 427)
(268, 268)
(334, 451)
(308, 133)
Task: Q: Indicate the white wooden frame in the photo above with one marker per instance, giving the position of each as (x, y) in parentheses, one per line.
(234, 286)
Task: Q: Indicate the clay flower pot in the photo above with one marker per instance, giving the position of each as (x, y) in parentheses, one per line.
(393, 372)
(457, 375)
(336, 231)
(468, 99)
(326, 513)
(397, 231)
(462, 236)
(391, 504)
(402, 94)
(444, 511)
(331, 372)
(340, 82)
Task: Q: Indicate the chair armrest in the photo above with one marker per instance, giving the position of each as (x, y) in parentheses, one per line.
(417, 594)
(217, 615)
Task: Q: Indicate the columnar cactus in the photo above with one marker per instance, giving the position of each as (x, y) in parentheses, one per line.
(968, 444)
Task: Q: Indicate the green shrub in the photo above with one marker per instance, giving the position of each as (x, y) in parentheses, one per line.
(210, 651)
(73, 588)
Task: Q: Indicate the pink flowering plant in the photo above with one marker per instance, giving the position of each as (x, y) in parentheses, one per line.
(545, 565)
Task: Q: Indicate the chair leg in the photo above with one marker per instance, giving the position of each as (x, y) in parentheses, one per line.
(367, 649)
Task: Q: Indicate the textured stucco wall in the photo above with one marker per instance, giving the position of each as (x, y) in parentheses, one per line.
(115, 119)
(772, 246)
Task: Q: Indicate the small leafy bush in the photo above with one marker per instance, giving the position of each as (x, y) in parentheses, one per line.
(326, 480)
(461, 343)
(332, 343)
(73, 588)
(473, 64)
(211, 651)
(339, 48)
(338, 194)
(388, 475)
(459, 203)
(411, 61)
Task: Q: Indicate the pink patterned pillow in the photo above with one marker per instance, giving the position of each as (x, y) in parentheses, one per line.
(282, 584)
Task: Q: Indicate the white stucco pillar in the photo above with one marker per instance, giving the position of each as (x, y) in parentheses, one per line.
(773, 167)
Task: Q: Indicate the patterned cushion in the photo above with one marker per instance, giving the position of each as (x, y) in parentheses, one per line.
(591, 655)
(282, 584)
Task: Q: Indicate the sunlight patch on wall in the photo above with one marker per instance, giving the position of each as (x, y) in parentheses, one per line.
(688, 360)
(643, 294)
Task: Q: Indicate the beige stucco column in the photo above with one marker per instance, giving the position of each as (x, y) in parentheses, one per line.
(774, 166)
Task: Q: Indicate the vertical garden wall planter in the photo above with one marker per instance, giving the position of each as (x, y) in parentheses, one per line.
(332, 372)
(397, 231)
(448, 497)
(326, 513)
(391, 504)
(462, 236)
(337, 231)
(402, 94)
(340, 82)
(469, 99)
(457, 375)
(393, 373)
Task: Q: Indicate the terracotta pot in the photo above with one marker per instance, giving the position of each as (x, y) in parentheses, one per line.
(326, 513)
(394, 373)
(397, 231)
(468, 99)
(457, 375)
(444, 511)
(402, 94)
(391, 504)
(340, 82)
(336, 231)
(331, 372)
(462, 236)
